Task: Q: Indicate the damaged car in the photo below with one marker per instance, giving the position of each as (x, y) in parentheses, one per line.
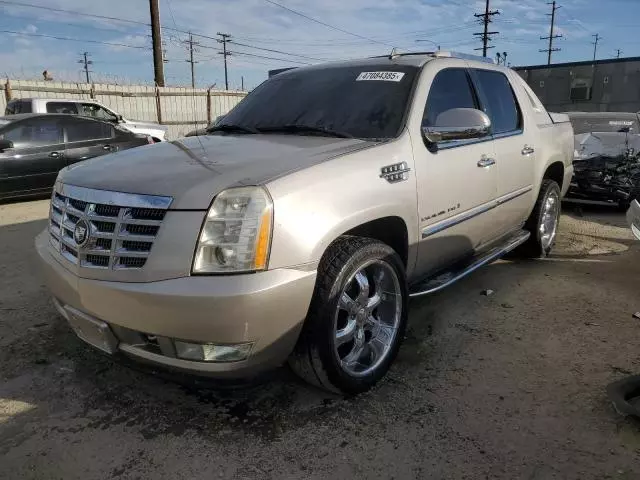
(606, 157)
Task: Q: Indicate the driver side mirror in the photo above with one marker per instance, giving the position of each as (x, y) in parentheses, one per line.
(458, 124)
(5, 145)
(119, 118)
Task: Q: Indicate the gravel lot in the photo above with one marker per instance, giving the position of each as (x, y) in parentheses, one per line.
(506, 386)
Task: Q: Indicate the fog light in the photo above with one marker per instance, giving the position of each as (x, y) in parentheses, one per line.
(212, 353)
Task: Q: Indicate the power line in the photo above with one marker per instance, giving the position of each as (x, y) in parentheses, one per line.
(275, 51)
(269, 58)
(486, 20)
(85, 26)
(326, 24)
(551, 36)
(55, 37)
(60, 10)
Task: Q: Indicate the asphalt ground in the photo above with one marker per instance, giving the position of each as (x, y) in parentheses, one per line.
(508, 386)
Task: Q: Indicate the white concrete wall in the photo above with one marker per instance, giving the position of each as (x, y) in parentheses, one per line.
(182, 109)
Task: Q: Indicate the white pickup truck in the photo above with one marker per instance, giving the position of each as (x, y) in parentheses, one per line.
(89, 108)
(300, 225)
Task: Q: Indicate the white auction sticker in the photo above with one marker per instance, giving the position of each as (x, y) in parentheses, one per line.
(380, 76)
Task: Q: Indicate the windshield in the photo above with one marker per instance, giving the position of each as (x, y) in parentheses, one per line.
(604, 123)
(361, 102)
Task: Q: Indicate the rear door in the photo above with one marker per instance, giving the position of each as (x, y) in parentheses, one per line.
(86, 138)
(514, 144)
(37, 157)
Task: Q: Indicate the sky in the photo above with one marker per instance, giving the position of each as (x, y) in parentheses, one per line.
(121, 50)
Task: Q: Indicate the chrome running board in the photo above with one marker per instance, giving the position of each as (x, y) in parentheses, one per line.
(444, 279)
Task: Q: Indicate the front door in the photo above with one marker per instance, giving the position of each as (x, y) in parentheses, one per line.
(37, 157)
(456, 181)
(514, 143)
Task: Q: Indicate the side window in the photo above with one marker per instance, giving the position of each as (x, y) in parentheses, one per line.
(450, 89)
(10, 109)
(85, 130)
(502, 106)
(62, 107)
(34, 133)
(25, 106)
(97, 111)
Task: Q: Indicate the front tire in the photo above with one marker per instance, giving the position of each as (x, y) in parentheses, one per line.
(543, 222)
(357, 317)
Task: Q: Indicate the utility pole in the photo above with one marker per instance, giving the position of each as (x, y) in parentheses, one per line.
(597, 38)
(551, 36)
(225, 38)
(158, 65)
(86, 63)
(486, 19)
(618, 52)
(242, 82)
(192, 44)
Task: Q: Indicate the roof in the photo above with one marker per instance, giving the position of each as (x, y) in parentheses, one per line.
(23, 116)
(412, 59)
(75, 100)
(578, 64)
(602, 114)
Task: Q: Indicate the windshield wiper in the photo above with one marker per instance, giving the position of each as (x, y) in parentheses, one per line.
(297, 128)
(227, 127)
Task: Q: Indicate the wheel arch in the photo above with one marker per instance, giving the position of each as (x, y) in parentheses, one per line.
(386, 226)
(555, 172)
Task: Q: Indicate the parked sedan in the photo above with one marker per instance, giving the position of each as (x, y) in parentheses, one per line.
(34, 147)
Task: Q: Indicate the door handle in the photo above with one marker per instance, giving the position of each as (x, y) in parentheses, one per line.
(527, 150)
(55, 155)
(485, 162)
(106, 147)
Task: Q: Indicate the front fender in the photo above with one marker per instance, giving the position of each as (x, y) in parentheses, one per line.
(315, 206)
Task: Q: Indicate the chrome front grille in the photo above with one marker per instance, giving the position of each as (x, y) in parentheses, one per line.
(115, 236)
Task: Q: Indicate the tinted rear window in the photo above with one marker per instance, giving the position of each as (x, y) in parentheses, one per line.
(604, 123)
(84, 130)
(502, 107)
(62, 107)
(18, 106)
(365, 102)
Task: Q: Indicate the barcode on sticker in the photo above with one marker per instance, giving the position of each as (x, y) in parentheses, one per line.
(381, 76)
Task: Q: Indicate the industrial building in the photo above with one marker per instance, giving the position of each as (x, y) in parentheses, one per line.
(611, 85)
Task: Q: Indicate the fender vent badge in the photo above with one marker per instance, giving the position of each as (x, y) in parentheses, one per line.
(397, 172)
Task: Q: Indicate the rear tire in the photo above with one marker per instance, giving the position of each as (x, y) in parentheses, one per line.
(543, 222)
(357, 317)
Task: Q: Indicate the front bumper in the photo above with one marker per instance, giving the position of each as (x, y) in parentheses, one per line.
(266, 309)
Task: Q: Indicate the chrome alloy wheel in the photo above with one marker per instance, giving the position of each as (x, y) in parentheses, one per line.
(549, 220)
(367, 318)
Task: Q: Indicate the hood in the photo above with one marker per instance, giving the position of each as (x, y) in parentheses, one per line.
(145, 125)
(192, 170)
(609, 144)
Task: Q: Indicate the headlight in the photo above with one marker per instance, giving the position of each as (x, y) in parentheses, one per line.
(236, 234)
